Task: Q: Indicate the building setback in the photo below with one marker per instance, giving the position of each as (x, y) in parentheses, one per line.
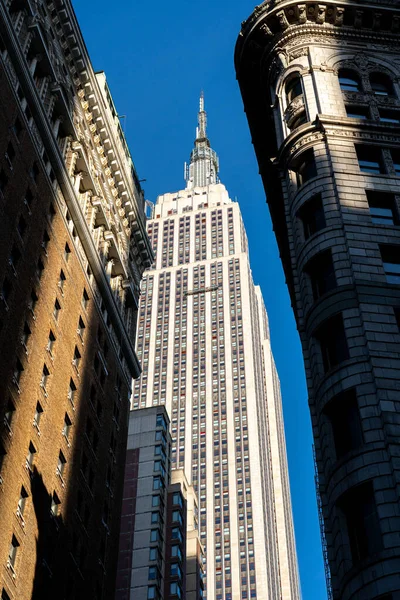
(203, 343)
(73, 247)
(320, 85)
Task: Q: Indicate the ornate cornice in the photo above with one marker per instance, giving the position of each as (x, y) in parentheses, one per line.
(273, 25)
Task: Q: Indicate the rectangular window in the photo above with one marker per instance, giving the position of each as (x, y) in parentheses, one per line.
(389, 116)
(382, 207)
(12, 553)
(153, 554)
(81, 328)
(357, 112)
(391, 263)
(322, 274)
(153, 574)
(45, 377)
(77, 358)
(9, 415)
(67, 427)
(312, 216)
(305, 167)
(370, 159)
(359, 508)
(38, 416)
(30, 456)
(177, 499)
(333, 343)
(50, 343)
(85, 299)
(61, 281)
(155, 501)
(55, 505)
(56, 310)
(22, 502)
(71, 391)
(61, 464)
(151, 592)
(67, 252)
(396, 160)
(344, 417)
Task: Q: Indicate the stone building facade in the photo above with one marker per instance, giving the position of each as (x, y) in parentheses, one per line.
(73, 248)
(321, 89)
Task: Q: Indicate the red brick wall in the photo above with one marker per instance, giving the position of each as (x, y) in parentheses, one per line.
(72, 544)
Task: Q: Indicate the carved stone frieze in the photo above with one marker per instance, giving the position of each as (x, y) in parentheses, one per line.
(321, 12)
(283, 22)
(362, 135)
(306, 140)
(294, 109)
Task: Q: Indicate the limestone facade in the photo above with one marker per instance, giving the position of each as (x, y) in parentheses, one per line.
(321, 89)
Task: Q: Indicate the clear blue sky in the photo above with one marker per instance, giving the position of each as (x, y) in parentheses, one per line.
(157, 57)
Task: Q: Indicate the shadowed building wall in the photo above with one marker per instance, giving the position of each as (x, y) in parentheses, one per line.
(73, 246)
(320, 85)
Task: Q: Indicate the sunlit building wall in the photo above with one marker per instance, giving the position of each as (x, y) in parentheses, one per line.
(203, 343)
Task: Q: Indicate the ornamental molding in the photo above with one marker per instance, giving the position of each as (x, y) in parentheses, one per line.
(367, 136)
(264, 38)
(294, 109)
(294, 145)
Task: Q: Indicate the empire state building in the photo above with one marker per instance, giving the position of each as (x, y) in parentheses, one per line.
(204, 346)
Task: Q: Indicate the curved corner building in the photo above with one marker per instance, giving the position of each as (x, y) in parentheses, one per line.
(203, 343)
(320, 85)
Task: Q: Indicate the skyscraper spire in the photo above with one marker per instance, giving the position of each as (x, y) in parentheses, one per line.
(204, 164)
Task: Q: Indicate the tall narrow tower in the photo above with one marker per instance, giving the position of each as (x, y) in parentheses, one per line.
(320, 84)
(203, 342)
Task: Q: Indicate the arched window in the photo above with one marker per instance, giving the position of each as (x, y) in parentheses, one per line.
(349, 81)
(381, 84)
(293, 88)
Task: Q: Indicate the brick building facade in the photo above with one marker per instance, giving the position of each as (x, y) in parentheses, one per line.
(320, 85)
(73, 247)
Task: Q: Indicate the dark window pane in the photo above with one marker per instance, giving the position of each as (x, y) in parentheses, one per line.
(391, 263)
(370, 159)
(306, 168)
(357, 112)
(333, 342)
(349, 81)
(312, 216)
(344, 416)
(396, 161)
(322, 274)
(382, 207)
(389, 116)
(381, 84)
(358, 505)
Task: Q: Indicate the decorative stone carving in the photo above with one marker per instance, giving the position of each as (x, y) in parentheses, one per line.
(302, 13)
(297, 53)
(266, 30)
(339, 15)
(320, 16)
(283, 22)
(293, 110)
(358, 18)
(376, 24)
(361, 61)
